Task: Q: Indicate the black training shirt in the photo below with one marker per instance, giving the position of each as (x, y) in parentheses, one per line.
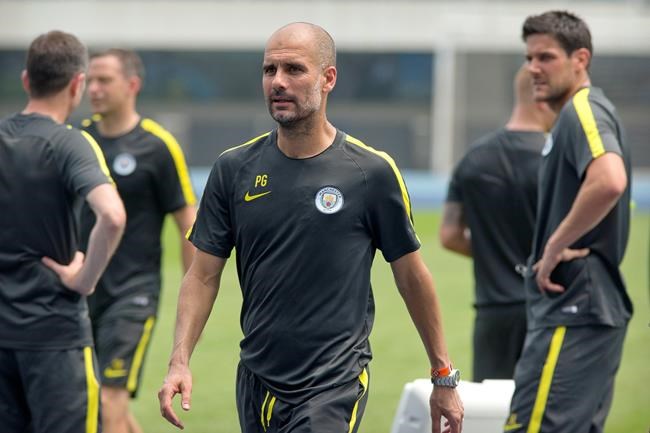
(305, 233)
(45, 170)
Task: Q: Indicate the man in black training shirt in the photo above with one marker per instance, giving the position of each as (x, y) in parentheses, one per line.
(152, 179)
(493, 195)
(305, 206)
(48, 372)
(578, 307)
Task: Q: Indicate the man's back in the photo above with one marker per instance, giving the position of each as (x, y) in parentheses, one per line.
(496, 182)
(44, 167)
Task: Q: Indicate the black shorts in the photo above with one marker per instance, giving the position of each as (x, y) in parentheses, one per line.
(122, 328)
(564, 380)
(337, 410)
(499, 334)
(49, 391)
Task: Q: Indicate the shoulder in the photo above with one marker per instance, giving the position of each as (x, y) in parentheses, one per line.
(241, 153)
(482, 150)
(588, 103)
(367, 157)
(68, 135)
(158, 134)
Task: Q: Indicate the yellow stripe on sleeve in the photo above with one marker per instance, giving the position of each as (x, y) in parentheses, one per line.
(363, 379)
(251, 141)
(545, 381)
(391, 162)
(99, 154)
(588, 122)
(177, 155)
(132, 382)
(92, 386)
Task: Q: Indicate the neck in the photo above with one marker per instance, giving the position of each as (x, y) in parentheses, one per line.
(584, 81)
(54, 107)
(524, 120)
(118, 123)
(305, 140)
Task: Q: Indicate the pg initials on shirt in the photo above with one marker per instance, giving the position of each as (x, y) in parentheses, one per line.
(261, 180)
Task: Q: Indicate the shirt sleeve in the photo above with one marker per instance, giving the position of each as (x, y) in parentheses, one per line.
(173, 183)
(454, 191)
(595, 134)
(212, 231)
(389, 212)
(80, 161)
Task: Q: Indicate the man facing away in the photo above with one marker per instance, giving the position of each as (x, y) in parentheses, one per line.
(578, 307)
(305, 206)
(493, 195)
(48, 371)
(151, 175)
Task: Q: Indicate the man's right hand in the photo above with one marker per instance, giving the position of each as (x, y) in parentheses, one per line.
(68, 274)
(177, 381)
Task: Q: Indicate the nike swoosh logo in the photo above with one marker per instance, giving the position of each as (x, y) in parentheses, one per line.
(249, 197)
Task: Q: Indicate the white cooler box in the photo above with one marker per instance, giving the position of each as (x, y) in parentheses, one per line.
(487, 405)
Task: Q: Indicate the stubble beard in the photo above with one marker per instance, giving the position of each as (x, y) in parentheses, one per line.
(303, 113)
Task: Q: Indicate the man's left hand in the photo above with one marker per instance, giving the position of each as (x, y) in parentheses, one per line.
(446, 402)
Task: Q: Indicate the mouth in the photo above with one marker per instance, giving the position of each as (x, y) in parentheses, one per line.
(282, 100)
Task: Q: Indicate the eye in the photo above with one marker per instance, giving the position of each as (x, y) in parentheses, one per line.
(269, 70)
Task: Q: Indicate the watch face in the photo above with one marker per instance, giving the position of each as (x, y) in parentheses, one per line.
(450, 381)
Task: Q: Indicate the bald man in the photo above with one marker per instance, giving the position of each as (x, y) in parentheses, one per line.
(493, 195)
(305, 206)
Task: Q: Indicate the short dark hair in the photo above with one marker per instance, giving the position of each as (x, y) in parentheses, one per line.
(130, 60)
(53, 59)
(568, 29)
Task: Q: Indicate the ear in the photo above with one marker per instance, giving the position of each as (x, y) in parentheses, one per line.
(25, 80)
(78, 84)
(135, 84)
(330, 79)
(581, 58)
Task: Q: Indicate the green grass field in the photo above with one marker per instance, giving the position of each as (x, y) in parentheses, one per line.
(399, 355)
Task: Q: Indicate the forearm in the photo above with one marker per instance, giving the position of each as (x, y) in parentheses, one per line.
(602, 188)
(195, 301)
(454, 233)
(184, 218)
(104, 239)
(424, 310)
(457, 242)
(417, 289)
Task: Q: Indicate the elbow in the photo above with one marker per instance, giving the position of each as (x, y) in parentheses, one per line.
(447, 238)
(114, 219)
(614, 188)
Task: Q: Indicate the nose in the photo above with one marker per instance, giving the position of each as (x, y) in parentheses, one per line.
(533, 66)
(91, 86)
(279, 81)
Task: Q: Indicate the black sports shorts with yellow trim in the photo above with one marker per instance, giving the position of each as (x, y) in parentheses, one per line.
(564, 380)
(122, 328)
(44, 391)
(337, 410)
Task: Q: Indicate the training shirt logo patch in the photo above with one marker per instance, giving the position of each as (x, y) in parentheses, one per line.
(548, 145)
(329, 200)
(124, 164)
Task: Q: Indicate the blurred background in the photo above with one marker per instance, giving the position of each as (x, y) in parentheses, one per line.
(418, 79)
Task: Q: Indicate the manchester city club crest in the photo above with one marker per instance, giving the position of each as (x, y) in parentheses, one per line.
(124, 164)
(329, 200)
